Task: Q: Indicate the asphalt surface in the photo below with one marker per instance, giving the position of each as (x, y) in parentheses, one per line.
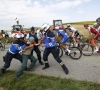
(86, 68)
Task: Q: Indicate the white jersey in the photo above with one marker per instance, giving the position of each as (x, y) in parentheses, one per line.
(73, 29)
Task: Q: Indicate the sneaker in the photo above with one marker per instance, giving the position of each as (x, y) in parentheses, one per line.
(96, 50)
(68, 52)
(76, 45)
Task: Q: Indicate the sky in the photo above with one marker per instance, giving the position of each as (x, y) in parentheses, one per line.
(37, 12)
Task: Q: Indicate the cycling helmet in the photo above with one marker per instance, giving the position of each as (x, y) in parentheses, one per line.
(32, 28)
(95, 24)
(19, 35)
(98, 20)
(45, 26)
(68, 25)
(86, 25)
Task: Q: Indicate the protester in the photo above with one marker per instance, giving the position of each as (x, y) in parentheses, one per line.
(25, 56)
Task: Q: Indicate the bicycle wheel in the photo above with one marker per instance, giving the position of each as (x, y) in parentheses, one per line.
(59, 51)
(87, 50)
(75, 53)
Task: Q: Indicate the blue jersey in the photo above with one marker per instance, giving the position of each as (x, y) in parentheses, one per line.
(49, 39)
(16, 47)
(62, 33)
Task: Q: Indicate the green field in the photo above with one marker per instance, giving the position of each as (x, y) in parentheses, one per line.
(81, 23)
(30, 81)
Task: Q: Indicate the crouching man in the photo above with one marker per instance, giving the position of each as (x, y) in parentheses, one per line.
(14, 52)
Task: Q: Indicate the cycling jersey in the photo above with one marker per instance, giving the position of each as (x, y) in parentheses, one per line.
(75, 32)
(72, 29)
(64, 35)
(92, 30)
(96, 33)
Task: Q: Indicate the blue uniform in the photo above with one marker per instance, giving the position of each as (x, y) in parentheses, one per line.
(16, 47)
(13, 52)
(50, 47)
(64, 35)
(49, 40)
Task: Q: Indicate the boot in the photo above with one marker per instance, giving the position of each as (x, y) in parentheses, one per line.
(65, 69)
(2, 71)
(41, 62)
(46, 66)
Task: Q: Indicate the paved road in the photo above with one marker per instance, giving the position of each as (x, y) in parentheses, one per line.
(87, 68)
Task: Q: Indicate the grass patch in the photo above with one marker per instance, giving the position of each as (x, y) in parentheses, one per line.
(30, 81)
(81, 23)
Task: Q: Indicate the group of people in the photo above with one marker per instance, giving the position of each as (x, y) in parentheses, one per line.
(23, 49)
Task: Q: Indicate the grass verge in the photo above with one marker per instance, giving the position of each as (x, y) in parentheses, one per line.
(29, 81)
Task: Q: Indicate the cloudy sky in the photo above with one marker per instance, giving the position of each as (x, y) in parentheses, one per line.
(36, 12)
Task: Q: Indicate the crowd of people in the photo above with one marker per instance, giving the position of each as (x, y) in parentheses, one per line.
(24, 46)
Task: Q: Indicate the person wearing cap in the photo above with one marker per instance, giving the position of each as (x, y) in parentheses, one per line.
(25, 56)
(49, 42)
(14, 52)
(37, 39)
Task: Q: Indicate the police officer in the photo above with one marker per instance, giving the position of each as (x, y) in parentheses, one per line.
(14, 52)
(49, 42)
(37, 40)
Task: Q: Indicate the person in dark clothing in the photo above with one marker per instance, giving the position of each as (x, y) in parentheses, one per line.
(14, 52)
(49, 42)
(37, 40)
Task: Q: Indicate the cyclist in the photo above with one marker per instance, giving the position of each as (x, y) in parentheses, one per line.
(65, 37)
(49, 42)
(73, 33)
(96, 35)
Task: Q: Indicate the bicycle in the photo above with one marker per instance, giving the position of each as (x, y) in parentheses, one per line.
(75, 53)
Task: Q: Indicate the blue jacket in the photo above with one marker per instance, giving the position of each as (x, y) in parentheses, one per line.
(49, 39)
(16, 47)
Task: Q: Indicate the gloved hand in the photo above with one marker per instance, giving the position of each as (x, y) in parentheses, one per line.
(20, 52)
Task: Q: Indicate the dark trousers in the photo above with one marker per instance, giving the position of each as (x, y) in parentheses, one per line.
(52, 50)
(38, 52)
(9, 58)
